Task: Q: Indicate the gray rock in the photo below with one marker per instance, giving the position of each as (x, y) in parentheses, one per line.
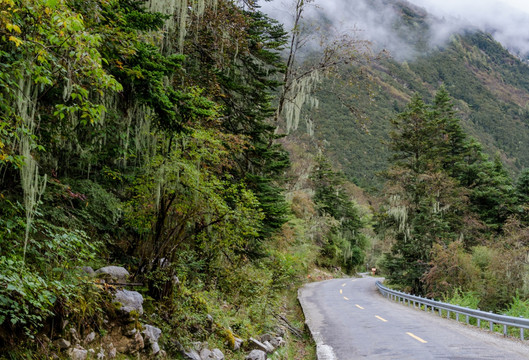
(277, 342)
(151, 333)
(78, 353)
(197, 345)
(237, 344)
(130, 301)
(74, 335)
(113, 273)
(63, 344)
(205, 354)
(89, 271)
(214, 354)
(112, 352)
(155, 348)
(269, 347)
(254, 344)
(191, 355)
(256, 355)
(138, 341)
(218, 355)
(266, 337)
(91, 353)
(100, 354)
(280, 331)
(90, 337)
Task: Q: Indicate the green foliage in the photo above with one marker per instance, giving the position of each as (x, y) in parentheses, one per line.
(466, 299)
(166, 162)
(441, 187)
(346, 244)
(30, 294)
(26, 299)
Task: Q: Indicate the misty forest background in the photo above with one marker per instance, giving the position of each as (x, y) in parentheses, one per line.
(202, 134)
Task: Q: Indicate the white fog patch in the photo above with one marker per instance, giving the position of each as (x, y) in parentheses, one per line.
(507, 21)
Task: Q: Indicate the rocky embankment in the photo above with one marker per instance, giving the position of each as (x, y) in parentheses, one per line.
(124, 333)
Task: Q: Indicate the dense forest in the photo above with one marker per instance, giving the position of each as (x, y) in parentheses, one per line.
(205, 151)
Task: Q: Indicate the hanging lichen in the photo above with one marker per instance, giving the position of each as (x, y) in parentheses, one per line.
(399, 213)
(300, 94)
(33, 185)
(177, 23)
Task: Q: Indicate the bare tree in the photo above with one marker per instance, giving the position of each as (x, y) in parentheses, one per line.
(313, 54)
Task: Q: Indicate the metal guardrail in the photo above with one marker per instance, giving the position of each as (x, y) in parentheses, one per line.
(433, 305)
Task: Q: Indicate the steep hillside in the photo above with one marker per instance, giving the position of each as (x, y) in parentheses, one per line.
(490, 87)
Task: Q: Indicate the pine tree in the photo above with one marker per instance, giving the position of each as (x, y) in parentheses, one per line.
(333, 200)
(426, 204)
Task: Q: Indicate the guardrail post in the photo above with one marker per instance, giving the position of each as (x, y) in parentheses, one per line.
(457, 316)
(491, 324)
(448, 314)
(504, 330)
(467, 319)
(479, 321)
(440, 312)
(521, 332)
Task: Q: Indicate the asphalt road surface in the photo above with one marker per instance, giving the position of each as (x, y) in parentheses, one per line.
(350, 320)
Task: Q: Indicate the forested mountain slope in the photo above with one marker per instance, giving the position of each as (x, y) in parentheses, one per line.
(490, 87)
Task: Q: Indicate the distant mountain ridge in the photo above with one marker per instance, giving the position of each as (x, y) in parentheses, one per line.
(490, 87)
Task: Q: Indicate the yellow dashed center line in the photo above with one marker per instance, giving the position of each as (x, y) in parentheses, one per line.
(341, 291)
(380, 318)
(358, 306)
(416, 338)
(343, 284)
(346, 298)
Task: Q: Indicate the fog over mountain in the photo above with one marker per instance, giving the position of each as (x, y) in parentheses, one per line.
(507, 21)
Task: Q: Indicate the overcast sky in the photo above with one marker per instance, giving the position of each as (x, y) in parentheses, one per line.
(508, 18)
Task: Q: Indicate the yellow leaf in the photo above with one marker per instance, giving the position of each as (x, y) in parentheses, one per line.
(16, 40)
(16, 28)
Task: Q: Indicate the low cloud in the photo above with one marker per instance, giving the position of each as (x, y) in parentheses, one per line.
(375, 23)
(508, 24)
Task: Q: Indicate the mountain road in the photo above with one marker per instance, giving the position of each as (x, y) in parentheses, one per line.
(349, 320)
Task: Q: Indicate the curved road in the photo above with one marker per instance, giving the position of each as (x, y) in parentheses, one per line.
(349, 320)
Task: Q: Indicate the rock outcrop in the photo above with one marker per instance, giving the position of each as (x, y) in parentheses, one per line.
(130, 301)
(113, 274)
